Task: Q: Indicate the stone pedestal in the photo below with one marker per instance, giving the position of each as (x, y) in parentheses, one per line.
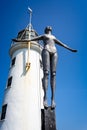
(48, 119)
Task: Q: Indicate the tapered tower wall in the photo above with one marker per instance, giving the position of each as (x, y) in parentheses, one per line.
(24, 97)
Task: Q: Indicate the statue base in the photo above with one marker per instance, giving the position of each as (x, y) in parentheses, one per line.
(48, 119)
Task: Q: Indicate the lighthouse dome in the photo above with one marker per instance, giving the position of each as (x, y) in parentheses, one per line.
(25, 34)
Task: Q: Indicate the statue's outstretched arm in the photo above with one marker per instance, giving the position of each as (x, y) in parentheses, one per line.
(37, 38)
(64, 45)
(27, 40)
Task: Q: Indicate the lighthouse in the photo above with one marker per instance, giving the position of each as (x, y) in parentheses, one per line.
(23, 97)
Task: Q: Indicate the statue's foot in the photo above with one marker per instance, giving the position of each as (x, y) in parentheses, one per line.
(45, 104)
(53, 105)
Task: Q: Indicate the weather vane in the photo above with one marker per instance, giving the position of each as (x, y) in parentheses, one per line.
(30, 12)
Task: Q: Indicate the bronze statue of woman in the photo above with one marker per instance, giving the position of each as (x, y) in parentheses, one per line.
(49, 58)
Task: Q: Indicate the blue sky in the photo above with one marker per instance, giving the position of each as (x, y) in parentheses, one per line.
(68, 19)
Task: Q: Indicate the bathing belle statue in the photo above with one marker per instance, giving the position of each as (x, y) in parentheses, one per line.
(49, 58)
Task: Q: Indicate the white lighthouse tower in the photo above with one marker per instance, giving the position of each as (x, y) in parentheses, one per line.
(23, 99)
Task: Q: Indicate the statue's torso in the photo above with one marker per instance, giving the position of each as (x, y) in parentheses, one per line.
(49, 43)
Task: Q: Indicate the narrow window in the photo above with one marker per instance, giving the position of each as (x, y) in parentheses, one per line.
(13, 61)
(9, 81)
(4, 108)
(41, 64)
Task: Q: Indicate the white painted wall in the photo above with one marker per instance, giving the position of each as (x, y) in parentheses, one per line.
(24, 98)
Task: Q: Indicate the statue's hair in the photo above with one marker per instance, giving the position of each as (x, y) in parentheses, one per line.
(48, 28)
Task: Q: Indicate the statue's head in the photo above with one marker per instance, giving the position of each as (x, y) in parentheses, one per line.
(47, 29)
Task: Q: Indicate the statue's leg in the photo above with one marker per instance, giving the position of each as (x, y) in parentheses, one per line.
(53, 64)
(46, 65)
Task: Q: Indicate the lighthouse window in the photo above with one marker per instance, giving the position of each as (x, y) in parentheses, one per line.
(4, 108)
(41, 64)
(9, 81)
(13, 61)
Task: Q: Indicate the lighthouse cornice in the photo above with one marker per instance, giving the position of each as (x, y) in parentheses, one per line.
(16, 46)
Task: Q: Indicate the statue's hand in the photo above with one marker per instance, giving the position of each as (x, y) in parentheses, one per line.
(74, 50)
